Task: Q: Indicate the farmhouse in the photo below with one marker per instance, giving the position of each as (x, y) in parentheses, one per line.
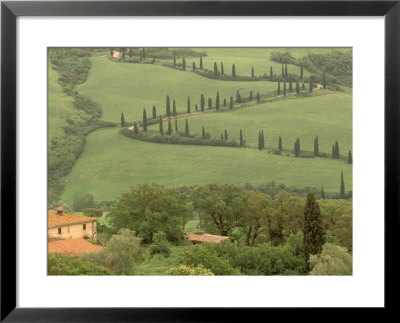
(205, 238)
(62, 225)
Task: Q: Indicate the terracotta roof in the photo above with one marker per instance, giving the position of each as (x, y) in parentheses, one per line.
(206, 237)
(55, 220)
(73, 247)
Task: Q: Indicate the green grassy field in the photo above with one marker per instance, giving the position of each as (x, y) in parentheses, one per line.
(328, 116)
(130, 88)
(111, 163)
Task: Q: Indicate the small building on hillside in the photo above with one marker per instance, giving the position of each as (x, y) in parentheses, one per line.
(205, 238)
(62, 225)
(72, 247)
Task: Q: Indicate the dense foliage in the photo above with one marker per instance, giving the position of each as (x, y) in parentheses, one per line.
(59, 264)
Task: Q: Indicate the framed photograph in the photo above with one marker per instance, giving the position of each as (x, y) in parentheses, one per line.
(186, 160)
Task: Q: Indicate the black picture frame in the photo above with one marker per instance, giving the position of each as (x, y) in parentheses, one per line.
(10, 10)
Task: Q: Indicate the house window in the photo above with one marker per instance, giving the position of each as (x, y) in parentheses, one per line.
(59, 230)
(84, 226)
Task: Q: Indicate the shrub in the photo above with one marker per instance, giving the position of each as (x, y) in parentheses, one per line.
(93, 212)
(160, 244)
(183, 270)
(58, 264)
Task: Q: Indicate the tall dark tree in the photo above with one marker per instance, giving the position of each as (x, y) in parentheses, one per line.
(209, 103)
(322, 193)
(241, 138)
(313, 230)
(233, 70)
(333, 152)
(174, 108)
(251, 96)
(350, 158)
(154, 112)
(135, 127)
(310, 85)
(176, 125)
(201, 62)
(161, 127)
(226, 134)
(297, 147)
(301, 72)
(144, 120)
(341, 186)
(284, 88)
(280, 144)
(183, 63)
(324, 80)
(297, 88)
(122, 120)
(224, 102)
(238, 98)
(259, 140)
(258, 97)
(231, 103)
(279, 88)
(186, 129)
(215, 68)
(217, 102)
(174, 60)
(316, 146)
(252, 71)
(167, 107)
(286, 74)
(271, 74)
(111, 52)
(169, 131)
(283, 72)
(188, 105)
(202, 103)
(130, 53)
(203, 133)
(262, 139)
(123, 54)
(290, 87)
(222, 68)
(194, 66)
(337, 154)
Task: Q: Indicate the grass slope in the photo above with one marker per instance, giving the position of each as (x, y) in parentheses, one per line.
(111, 163)
(328, 116)
(130, 88)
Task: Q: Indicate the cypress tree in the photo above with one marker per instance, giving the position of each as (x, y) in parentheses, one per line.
(169, 131)
(322, 193)
(297, 88)
(201, 62)
(222, 68)
(259, 140)
(173, 108)
(241, 138)
(333, 152)
(224, 102)
(144, 120)
(135, 127)
(323, 80)
(154, 112)
(186, 129)
(167, 107)
(161, 127)
(286, 74)
(122, 120)
(301, 72)
(341, 186)
(280, 144)
(176, 125)
(209, 103)
(215, 68)
(284, 88)
(290, 87)
(226, 135)
(297, 147)
(238, 98)
(231, 103)
(337, 154)
(283, 72)
(313, 229)
(217, 102)
(271, 75)
(233, 70)
(279, 88)
(262, 139)
(174, 60)
(188, 105)
(196, 107)
(183, 63)
(310, 89)
(258, 97)
(202, 103)
(350, 158)
(252, 71)
(251, 96)
(194, 66)
(316, 146)
(203, 133)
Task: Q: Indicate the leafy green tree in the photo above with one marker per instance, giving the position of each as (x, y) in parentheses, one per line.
(342, 186)
(316, 146)
(226, 134)
(258, 97)
(59, 264)
(252, 71)
(183, 270)
(168, 107)
(233, 70)
(161, 127)
(144, 120)
(186, 129)
(122, 120)
(222, 68)
(262, 139)
(83, 201)
(303, 86)
(120, 252)
(231, 103)
(135, 128)
(297, 147)
(333, 152)
(202, 103)
(188, 105)
(154, 112)
(160, 244)
(183, 63)
(169, 131)
(313, 229)
(217, 102)
(271, 74)
(279, 88)
(350, 158)
(251, 96)
(174, 108)
(333, 260)
(322, 193)
(209, 103)
(215, 68)
(174, 60)
(203, 133)
(150, 208)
